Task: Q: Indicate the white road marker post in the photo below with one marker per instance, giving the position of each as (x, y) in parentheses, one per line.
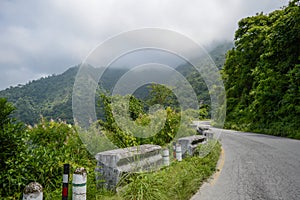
(178, 153)
(166, 157)
(79, 184)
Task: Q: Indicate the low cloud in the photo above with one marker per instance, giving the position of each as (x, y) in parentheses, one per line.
(46, 37)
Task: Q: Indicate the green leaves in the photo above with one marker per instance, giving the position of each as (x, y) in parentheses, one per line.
(136, 130)
(37, 154)
(261, 91)
(5, 110)
(12, 148)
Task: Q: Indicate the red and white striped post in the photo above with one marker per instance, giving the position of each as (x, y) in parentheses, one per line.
(65, 182)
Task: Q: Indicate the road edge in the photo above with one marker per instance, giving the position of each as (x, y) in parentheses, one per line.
(213, 178)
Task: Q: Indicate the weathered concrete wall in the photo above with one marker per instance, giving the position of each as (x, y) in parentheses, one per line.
(208, 133)
(112, 164)
(202, 128)
(190, 143)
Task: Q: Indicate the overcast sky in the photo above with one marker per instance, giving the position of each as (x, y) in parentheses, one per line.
(40, 38)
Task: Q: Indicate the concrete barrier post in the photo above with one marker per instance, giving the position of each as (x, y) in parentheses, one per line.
(178, 153)
(33, 191)
(166, 157)
(79, 184)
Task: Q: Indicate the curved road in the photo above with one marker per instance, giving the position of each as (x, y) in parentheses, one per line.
(254, 167)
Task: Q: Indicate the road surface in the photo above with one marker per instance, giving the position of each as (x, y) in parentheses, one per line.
(255, 166)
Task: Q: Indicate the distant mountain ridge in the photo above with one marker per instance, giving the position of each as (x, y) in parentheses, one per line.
(51, 97)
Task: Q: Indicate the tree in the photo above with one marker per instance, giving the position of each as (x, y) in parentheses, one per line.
(261, 73)
(12, 147)
(160, 94)
(130, 134)
(11, 133)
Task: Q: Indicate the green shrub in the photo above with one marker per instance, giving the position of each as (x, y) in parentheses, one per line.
(40, 154)
(128, 135)
(12, 151)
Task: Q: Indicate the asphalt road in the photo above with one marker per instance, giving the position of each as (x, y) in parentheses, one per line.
(255, 166)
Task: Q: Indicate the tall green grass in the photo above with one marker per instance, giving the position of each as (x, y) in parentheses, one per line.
(178, 181)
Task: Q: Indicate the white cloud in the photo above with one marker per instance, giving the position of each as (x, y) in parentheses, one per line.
(45, 37)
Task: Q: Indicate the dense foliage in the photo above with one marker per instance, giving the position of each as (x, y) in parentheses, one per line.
(37, 154)
(12, 147)
(262, 74)
(164, 124)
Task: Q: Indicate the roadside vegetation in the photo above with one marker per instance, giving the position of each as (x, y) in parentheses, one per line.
(262, 80)
(262, 74)
(37, 153)
(178, 181)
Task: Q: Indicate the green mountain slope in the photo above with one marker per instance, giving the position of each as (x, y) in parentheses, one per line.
(51, 97)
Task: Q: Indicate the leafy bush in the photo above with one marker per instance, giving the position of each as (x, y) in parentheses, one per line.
(12, 150)
(38, 154)
(133, 131)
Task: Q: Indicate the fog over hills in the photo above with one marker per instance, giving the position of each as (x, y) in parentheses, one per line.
(51, 96)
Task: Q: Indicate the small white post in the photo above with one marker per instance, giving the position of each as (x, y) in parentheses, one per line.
(33, 191)
(174, 149)
(79, 184)
(166, 157)
(178, 152)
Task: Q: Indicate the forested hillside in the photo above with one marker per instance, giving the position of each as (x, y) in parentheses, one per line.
(51, 97)
(262, 74)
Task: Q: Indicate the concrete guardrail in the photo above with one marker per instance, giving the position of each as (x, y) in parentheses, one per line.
(190, 143)
(111, 165)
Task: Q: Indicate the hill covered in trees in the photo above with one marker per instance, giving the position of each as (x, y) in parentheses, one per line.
(51, 97)
(262, 74)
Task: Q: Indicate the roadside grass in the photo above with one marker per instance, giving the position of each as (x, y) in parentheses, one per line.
(178, 181)
(44, 148)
